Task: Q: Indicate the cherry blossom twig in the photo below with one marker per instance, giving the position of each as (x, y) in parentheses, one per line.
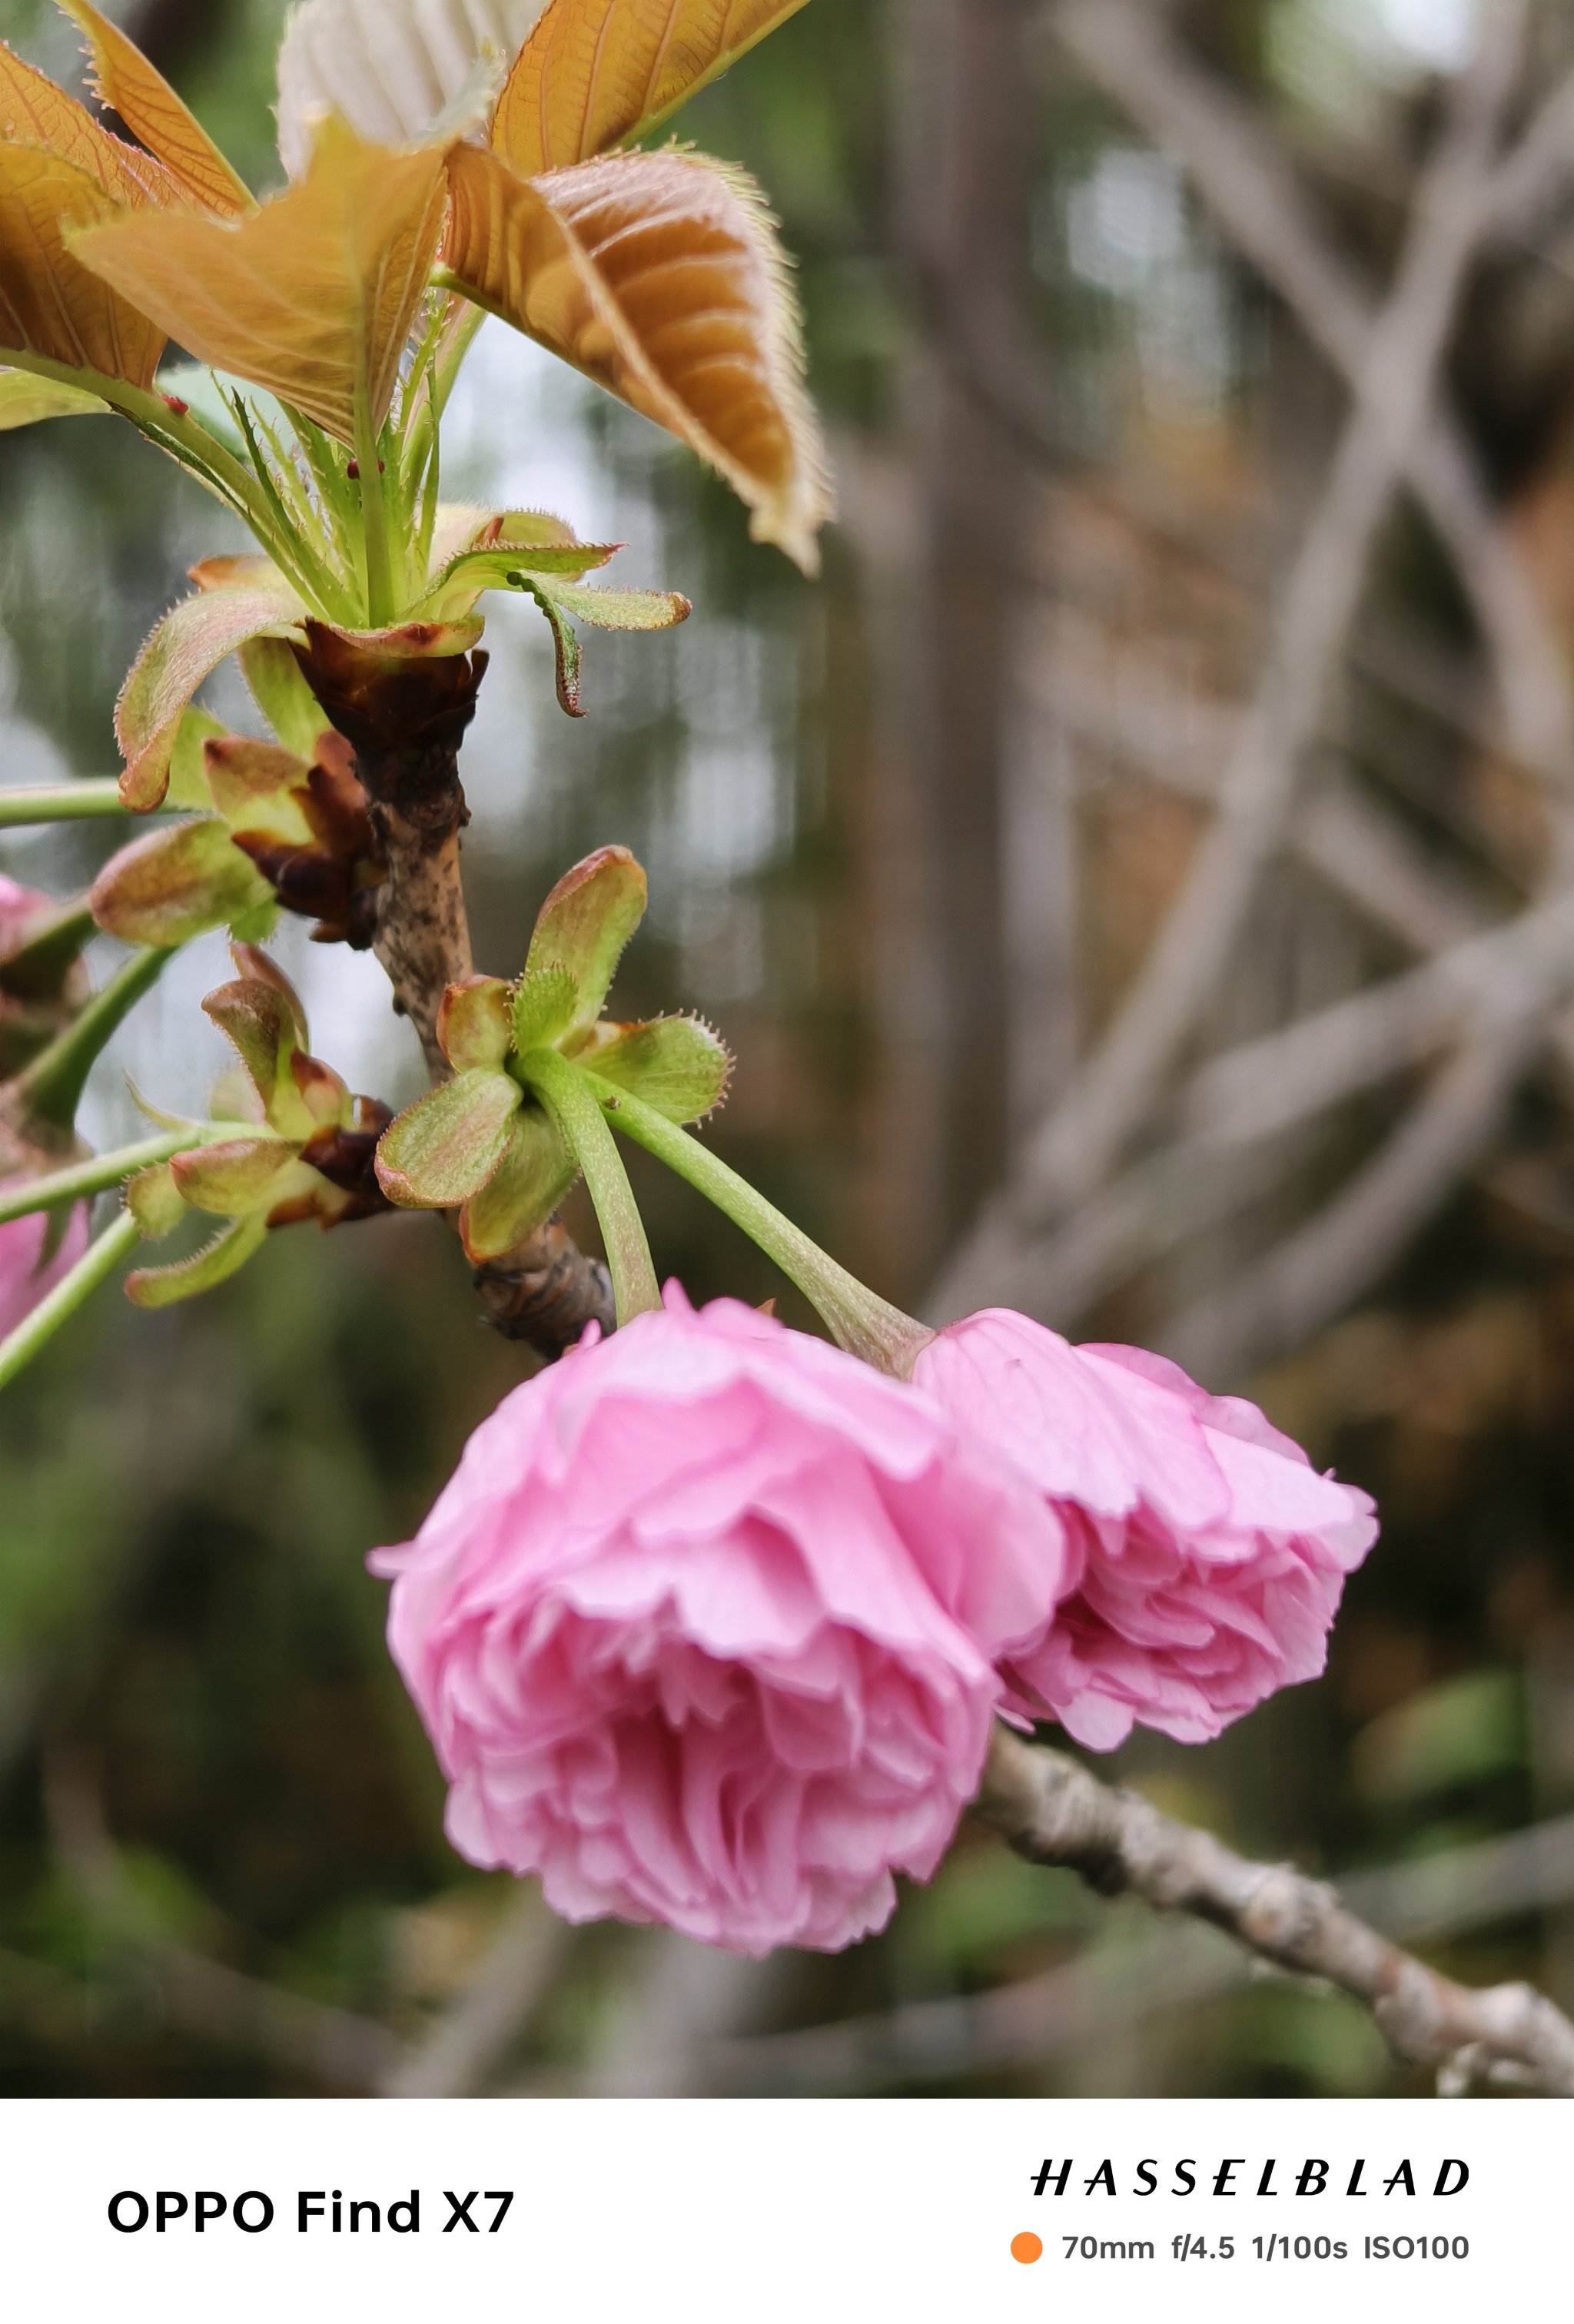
(1052, 1811)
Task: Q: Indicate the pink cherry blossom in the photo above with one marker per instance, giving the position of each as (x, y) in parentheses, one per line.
(1207, 1555)
(702, 1627)
(26, 1273)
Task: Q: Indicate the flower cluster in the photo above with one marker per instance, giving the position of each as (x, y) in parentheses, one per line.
(711, 1623)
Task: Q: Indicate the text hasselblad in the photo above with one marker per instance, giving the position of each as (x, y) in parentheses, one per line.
(321, 2210)
(1236, 2174)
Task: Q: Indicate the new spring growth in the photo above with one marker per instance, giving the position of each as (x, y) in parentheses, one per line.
(286, 1141)
(539, 1075)
(334, 317)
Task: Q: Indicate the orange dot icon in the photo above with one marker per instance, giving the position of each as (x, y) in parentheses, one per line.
(1026, 2249)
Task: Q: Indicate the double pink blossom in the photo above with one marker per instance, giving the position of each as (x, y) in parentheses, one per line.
(1206, 1556)
(704, 1629)
(34, 1252)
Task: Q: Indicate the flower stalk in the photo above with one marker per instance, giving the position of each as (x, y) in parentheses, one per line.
(575, 1107)
(103, 1171)
(857, 1320)
(59, 803)
(50, 1090)
(95, 1266)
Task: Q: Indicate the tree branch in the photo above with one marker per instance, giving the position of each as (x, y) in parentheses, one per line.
(1114, 1091)
(405, 717)
(1052, 1811)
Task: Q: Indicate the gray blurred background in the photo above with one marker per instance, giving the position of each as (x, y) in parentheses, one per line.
(1135, 882)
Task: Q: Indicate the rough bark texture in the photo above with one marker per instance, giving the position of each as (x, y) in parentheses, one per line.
(404, 716)
(1054, 1811)
(404, 713)
(546, 1291)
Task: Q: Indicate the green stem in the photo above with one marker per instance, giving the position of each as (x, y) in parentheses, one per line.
(863, 1323)
(96, 1176)
(95, 1266)
(574, 1106)
(50, 1090)
(375, 520)
(59, 803)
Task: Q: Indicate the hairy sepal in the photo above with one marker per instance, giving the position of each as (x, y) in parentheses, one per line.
(535, 1173)
(175, 884)
(584, 927)
(443, 1149)
(164, 1287)
(476, 1024)
(678, 1066)
(237, 1179)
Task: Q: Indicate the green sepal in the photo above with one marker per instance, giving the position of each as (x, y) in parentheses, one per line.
(443, 1149)
(163, 1287)
(175, 884)
(678, 1064)
(188, 765)
(281, 693)
(536, 1172)
(251, 962)
(257, 926)
(323, 1092)
(584, 927)
(234, 1180)
(259, 1021)
(475, 1023)
(156, 1201)
(145, 1106)
(543, 1008)
(250, 779)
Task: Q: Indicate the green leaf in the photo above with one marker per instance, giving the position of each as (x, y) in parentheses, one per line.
(585, 925)
(445, 1147)
(598, 73)
(620, 609)
(283, 695)
(185, 650)
(24, 399)
(236, 1179)
(162, 1286)
(543, 1008)
(460, 582)
(536, 1172)
(475, 1023)
(678, 1064)
(565, 647)
(175, 884)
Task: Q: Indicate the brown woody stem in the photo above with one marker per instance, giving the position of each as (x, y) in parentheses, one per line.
(404, 712)
(1052, 1811)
